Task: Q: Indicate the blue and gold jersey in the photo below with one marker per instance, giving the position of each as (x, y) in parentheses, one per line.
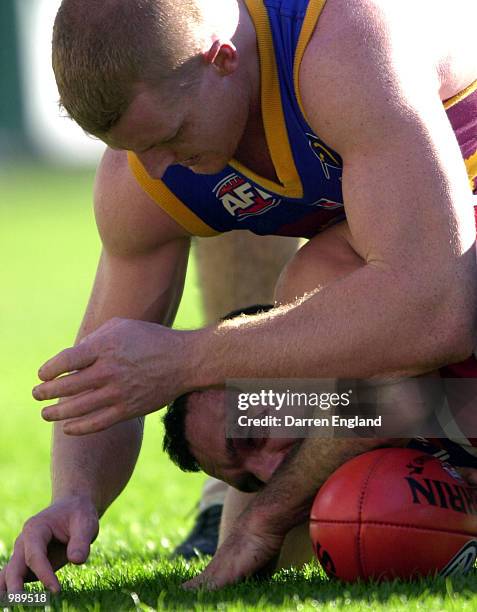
(308, 196)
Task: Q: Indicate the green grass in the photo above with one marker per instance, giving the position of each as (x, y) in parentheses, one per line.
(49, 250)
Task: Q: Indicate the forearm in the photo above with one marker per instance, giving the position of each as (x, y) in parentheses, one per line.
(148, 288)
(97, 466)
(287, 497)
(370, 323)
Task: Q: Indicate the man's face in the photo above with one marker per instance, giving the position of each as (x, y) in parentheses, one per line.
(245, 464)
(197, 127)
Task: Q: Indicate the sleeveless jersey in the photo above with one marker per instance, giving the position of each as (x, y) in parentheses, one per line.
(308, 197)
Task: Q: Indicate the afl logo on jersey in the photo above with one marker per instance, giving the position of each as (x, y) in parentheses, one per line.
(328, 204)
(329, 160)
(242, 199)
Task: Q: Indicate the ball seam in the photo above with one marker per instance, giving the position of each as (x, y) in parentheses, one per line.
(361, 560)
(399, 526)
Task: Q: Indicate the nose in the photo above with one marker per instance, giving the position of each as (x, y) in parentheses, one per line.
(263, 465)
(156, 161)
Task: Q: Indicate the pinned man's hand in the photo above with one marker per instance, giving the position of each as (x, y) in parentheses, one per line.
(250, 546)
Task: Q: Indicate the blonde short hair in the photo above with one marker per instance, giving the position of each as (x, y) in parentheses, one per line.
(103, 48)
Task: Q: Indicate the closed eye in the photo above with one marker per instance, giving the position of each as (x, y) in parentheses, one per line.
(161, 143)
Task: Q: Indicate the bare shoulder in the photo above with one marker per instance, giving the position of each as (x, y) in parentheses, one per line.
(363, 58)
(129, 221)
(380, 30)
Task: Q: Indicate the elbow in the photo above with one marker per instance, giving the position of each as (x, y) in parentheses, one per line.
(461, 341)
(455, 328)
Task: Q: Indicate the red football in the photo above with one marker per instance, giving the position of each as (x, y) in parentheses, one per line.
(394, 513)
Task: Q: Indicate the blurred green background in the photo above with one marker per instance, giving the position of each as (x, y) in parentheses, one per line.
(48, 253)
(49, 250)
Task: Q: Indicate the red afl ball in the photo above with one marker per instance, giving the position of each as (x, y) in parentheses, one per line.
(394, 513)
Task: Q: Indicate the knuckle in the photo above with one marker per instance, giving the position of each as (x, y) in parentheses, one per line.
(116, 394)
(118, 412)
(30, 558)
(108, 394)
(107, 370)
(29, 527)
(98, 423)
(60, 388)
(68, 359)
(18, 544)
(104, 420)
(101, 374)
(123, 409)
(44, 391)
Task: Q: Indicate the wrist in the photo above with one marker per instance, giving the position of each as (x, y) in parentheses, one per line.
(205, 362)
(83, 496)
(272, 521)
(81, 499)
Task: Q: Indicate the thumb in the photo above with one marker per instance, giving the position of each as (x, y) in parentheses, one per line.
(83, 532)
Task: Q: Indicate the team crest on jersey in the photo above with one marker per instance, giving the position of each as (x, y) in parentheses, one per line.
(243, 199)
(328, 160)
(328, 204)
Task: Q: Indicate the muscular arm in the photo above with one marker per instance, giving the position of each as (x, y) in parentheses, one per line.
(140, 276)
(372, 95)
(369, 93)
(372, 91)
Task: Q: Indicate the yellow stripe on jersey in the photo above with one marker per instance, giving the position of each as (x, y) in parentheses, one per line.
(312, 15)
(461, 95)
(471, 165)
(272, 112)
(164, 197)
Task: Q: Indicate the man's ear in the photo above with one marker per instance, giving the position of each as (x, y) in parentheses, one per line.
(222, 55)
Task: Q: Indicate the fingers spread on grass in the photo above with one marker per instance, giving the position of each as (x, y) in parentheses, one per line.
(221, 571)
(15, 572)
(242, 554)
(201, 581)
(69, 360)
(79, 406)
(35, 546)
